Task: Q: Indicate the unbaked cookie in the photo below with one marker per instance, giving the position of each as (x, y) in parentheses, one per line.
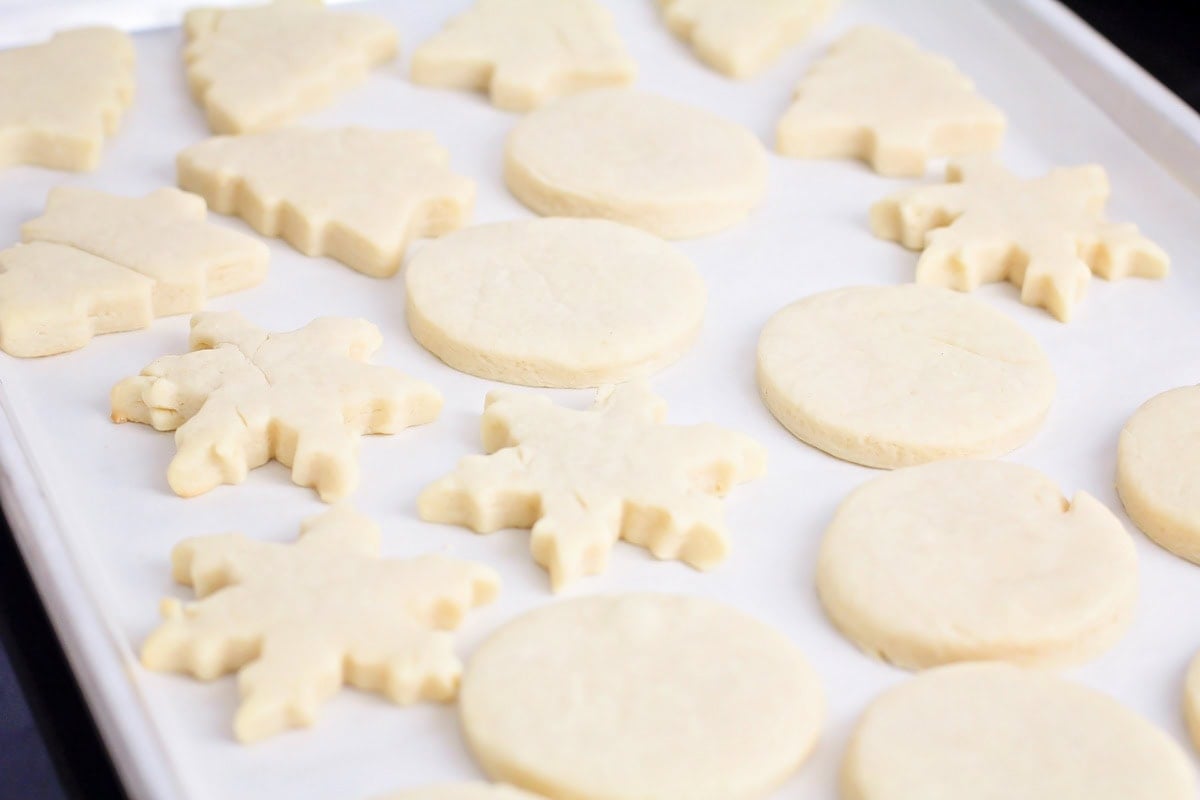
(878, 97)
(1191, 701)
(61, 98)
(975, 561)
(526, 52)
(636, 158)
(741, 38)
(297, 621)
(1046, 235)
(260, 67)
(1158, 470)
(890, 376)
(354, 194)
(998, 732)
(554, 302)
(462, 791)
(581, 480)
(244, 396)
(640, 696)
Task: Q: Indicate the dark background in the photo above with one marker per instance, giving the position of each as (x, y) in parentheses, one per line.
(49, 746)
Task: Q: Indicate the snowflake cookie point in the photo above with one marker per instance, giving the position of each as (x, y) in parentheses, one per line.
(582, 480)
(526, 52)
(244, 396)
(297, 621)
(1047, 235)
(876, 96)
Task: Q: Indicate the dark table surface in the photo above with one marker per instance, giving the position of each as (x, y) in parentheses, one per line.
(49, 746)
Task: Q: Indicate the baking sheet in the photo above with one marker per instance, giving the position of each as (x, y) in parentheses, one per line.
(96, 495)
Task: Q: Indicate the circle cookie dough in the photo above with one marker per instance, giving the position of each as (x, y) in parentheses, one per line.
(992, 731)
(1191, 701)
(890, 376)
(975, 561)
(1158, 470)
(636, 158)
(554, 302)
(640, 695)
(462, 791)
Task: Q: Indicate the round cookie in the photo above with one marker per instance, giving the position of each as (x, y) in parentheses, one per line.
(994, 731)
(554, 302)
(462, 791)
(640, 695)
(974, 561)
(890, 376)
(636, 158)
(1191, 701)
(1158, 470)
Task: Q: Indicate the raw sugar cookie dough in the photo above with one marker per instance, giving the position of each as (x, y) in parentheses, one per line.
(640, 695)
(554, 302)
(1191, 701)
(975, 731)
(61, 98)
(298, 621)
(890, 376)
(976, 561)
(463, 791)
(260, 67)
(1046, 234)
(581, 480)
(742, 38)
(1158, 470)
(878, 97)
(526, 52)
(354, 194)
(638, 158)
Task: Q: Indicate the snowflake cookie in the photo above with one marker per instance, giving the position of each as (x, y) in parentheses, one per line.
(98, 263)
(581, 480)
(742, 38)
(244, 396)
(878, 97)
(298, 621)
(1046, 235)
(526, 52)
(353, 194)
(59, 99)
(260, 67)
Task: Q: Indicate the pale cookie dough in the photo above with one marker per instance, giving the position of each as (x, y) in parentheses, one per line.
(1158, 470)
(298, 621)
(976, 561)
(526, 52)
(462, 791)
(1191, 701)
(1047, 235)
(876, 96)
(244, 396)
(636, 158)
(554, 302)
(742, 38)
(998, 732)
(581, 480)
(641, 696)
(98, 263)
(890, 376)
(354, 194)
(60, 99)
(260, 67)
